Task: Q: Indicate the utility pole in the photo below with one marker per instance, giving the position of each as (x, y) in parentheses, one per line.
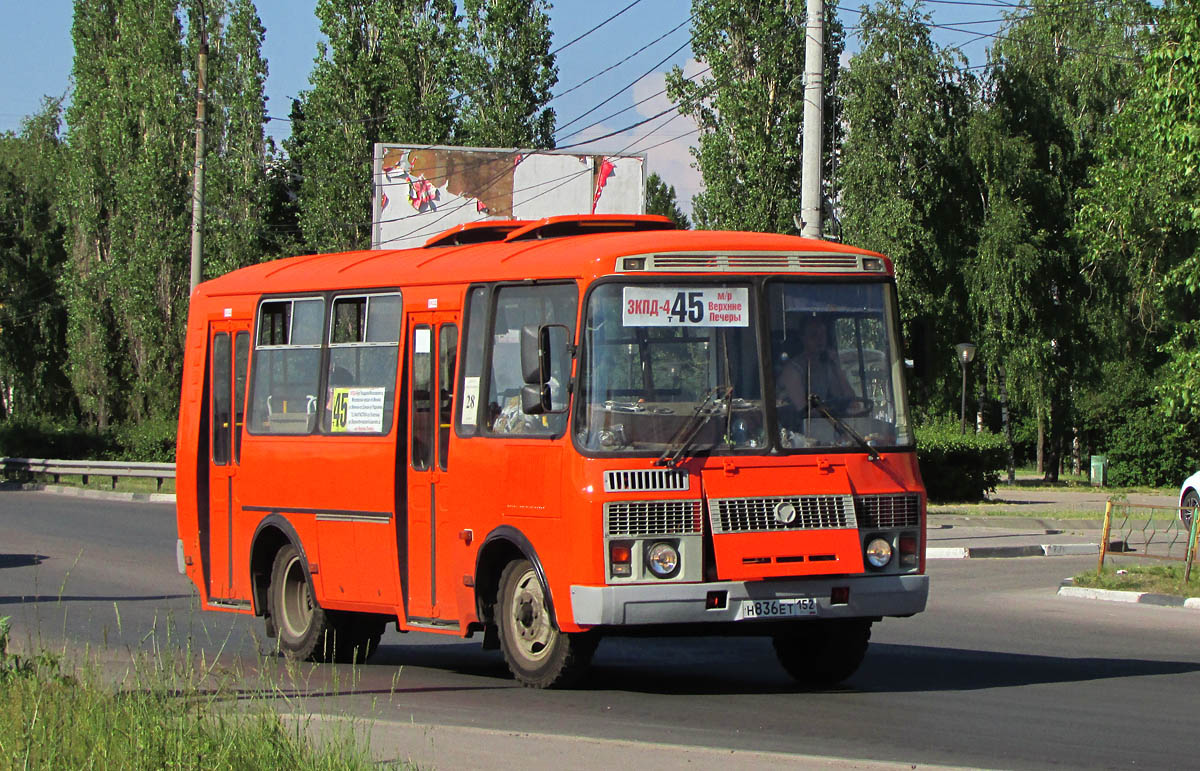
(814, 97)
(198, 174)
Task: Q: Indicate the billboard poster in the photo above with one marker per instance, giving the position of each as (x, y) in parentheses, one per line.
(421, 191)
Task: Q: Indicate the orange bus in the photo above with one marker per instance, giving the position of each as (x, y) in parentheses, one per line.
(550, 432)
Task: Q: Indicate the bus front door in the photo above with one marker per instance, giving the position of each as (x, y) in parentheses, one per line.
(432, 353)
(229, 352)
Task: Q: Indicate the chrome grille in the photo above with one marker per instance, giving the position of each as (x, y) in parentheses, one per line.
(888, 511)
(622, 518)
(762, 263)
(812, 512)
(640, 480)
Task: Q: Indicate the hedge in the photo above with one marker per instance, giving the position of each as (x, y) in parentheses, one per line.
(957, 466)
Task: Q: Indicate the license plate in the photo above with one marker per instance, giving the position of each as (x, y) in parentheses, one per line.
(796, 606)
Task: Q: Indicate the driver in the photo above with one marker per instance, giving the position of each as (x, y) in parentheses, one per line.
(815, 370)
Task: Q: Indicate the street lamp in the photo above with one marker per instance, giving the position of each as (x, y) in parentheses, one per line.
(964, 352)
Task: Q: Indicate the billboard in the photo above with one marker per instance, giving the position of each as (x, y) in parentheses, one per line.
(423, 190)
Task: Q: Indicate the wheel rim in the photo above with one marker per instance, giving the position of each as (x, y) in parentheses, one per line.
(530, 623)
(1190, 502)
(297, 605)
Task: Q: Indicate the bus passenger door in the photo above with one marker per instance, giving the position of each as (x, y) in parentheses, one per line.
(432, 357)
(229, 352)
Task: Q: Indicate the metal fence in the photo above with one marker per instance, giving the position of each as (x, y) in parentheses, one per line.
(114, 470)
(1150, 532)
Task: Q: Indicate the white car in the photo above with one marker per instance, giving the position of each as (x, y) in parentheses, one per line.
(1189, 498)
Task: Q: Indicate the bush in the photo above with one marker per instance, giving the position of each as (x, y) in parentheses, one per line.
(1150, 449)
(32, 437)
(956, 466)
(26, 437)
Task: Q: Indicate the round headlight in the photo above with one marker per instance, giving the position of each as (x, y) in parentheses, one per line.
(879, 552)
(663, 559)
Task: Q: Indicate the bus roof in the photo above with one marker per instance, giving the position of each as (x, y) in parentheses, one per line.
(519, 252)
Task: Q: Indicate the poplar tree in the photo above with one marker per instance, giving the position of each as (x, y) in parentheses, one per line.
(236, 188)
(33, 381)
(385, 73)
(507, 74)
(750, 109)
(127, 207)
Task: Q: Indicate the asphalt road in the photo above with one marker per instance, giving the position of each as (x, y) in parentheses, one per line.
(999, 672)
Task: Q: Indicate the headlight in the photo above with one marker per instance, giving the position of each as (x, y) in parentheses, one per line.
(879, 552)
(663, 559)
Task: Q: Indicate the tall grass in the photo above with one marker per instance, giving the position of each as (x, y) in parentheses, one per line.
(57, 715)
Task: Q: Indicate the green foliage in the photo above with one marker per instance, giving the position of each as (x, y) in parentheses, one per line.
(906, 187)
(750, 110)
(1151, 449)
(1159, 579)
(957, 466)
(660, 199)
(385, 72)
(52, 717)
(127, 207)
(44, 437)
(506, 75)
(32, 312)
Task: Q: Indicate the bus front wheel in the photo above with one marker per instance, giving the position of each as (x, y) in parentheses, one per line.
(821, 654)
(537, 653)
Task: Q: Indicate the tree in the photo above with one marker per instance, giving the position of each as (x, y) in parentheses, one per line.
(660, 199)
(1139, 220)
(33, 379)
(507, 73)
(236, 188)
(1059, 76)
(127, 212)
(385, 73)
(750, 109)
(905, 181)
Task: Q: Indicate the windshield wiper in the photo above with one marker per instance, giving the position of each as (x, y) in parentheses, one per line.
(814, 401)
(688, 432)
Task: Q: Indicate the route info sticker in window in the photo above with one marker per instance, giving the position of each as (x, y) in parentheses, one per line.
(654, 306)
(357, 410)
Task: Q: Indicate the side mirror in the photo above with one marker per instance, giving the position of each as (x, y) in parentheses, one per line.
(545, 367)
(920, 347)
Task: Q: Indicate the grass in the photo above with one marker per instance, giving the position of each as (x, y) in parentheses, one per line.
(1157, 579)
(54, 715)
(94, 482)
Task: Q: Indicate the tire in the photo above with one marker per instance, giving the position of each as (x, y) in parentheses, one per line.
(821, 654)
(1190, 502)
(300, 622)
(537, 653)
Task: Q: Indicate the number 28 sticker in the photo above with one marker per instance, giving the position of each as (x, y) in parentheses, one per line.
(685, 307)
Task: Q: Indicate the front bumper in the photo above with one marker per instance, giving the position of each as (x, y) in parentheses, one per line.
(644, 604)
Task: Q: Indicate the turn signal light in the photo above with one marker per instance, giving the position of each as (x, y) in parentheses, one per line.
(908, 551)
(621, 559)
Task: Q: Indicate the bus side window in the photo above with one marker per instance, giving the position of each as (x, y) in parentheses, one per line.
(220, 399)
(287, 367)
(364, 346)
(447, 355)
(474, 337)
(516, 307)
(422, 403)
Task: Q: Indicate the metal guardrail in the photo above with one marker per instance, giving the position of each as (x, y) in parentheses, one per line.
(88, 468)
(1142, 534)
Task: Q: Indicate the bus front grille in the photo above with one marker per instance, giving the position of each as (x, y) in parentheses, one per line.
(801, 512)
(888, 511)
(628, 518)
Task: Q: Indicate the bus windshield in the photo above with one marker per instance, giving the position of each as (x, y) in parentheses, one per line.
(677, 368)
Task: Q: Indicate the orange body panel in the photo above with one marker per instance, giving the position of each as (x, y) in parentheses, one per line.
(382, 537)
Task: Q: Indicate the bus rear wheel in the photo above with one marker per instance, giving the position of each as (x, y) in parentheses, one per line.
(821, 654)
(305, 630)
(537, 653)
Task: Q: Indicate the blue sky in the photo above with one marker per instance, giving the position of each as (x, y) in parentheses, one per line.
(36, 56)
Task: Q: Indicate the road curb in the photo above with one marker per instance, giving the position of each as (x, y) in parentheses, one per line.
(1114, 595)
(98, 495)
(994, 552)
